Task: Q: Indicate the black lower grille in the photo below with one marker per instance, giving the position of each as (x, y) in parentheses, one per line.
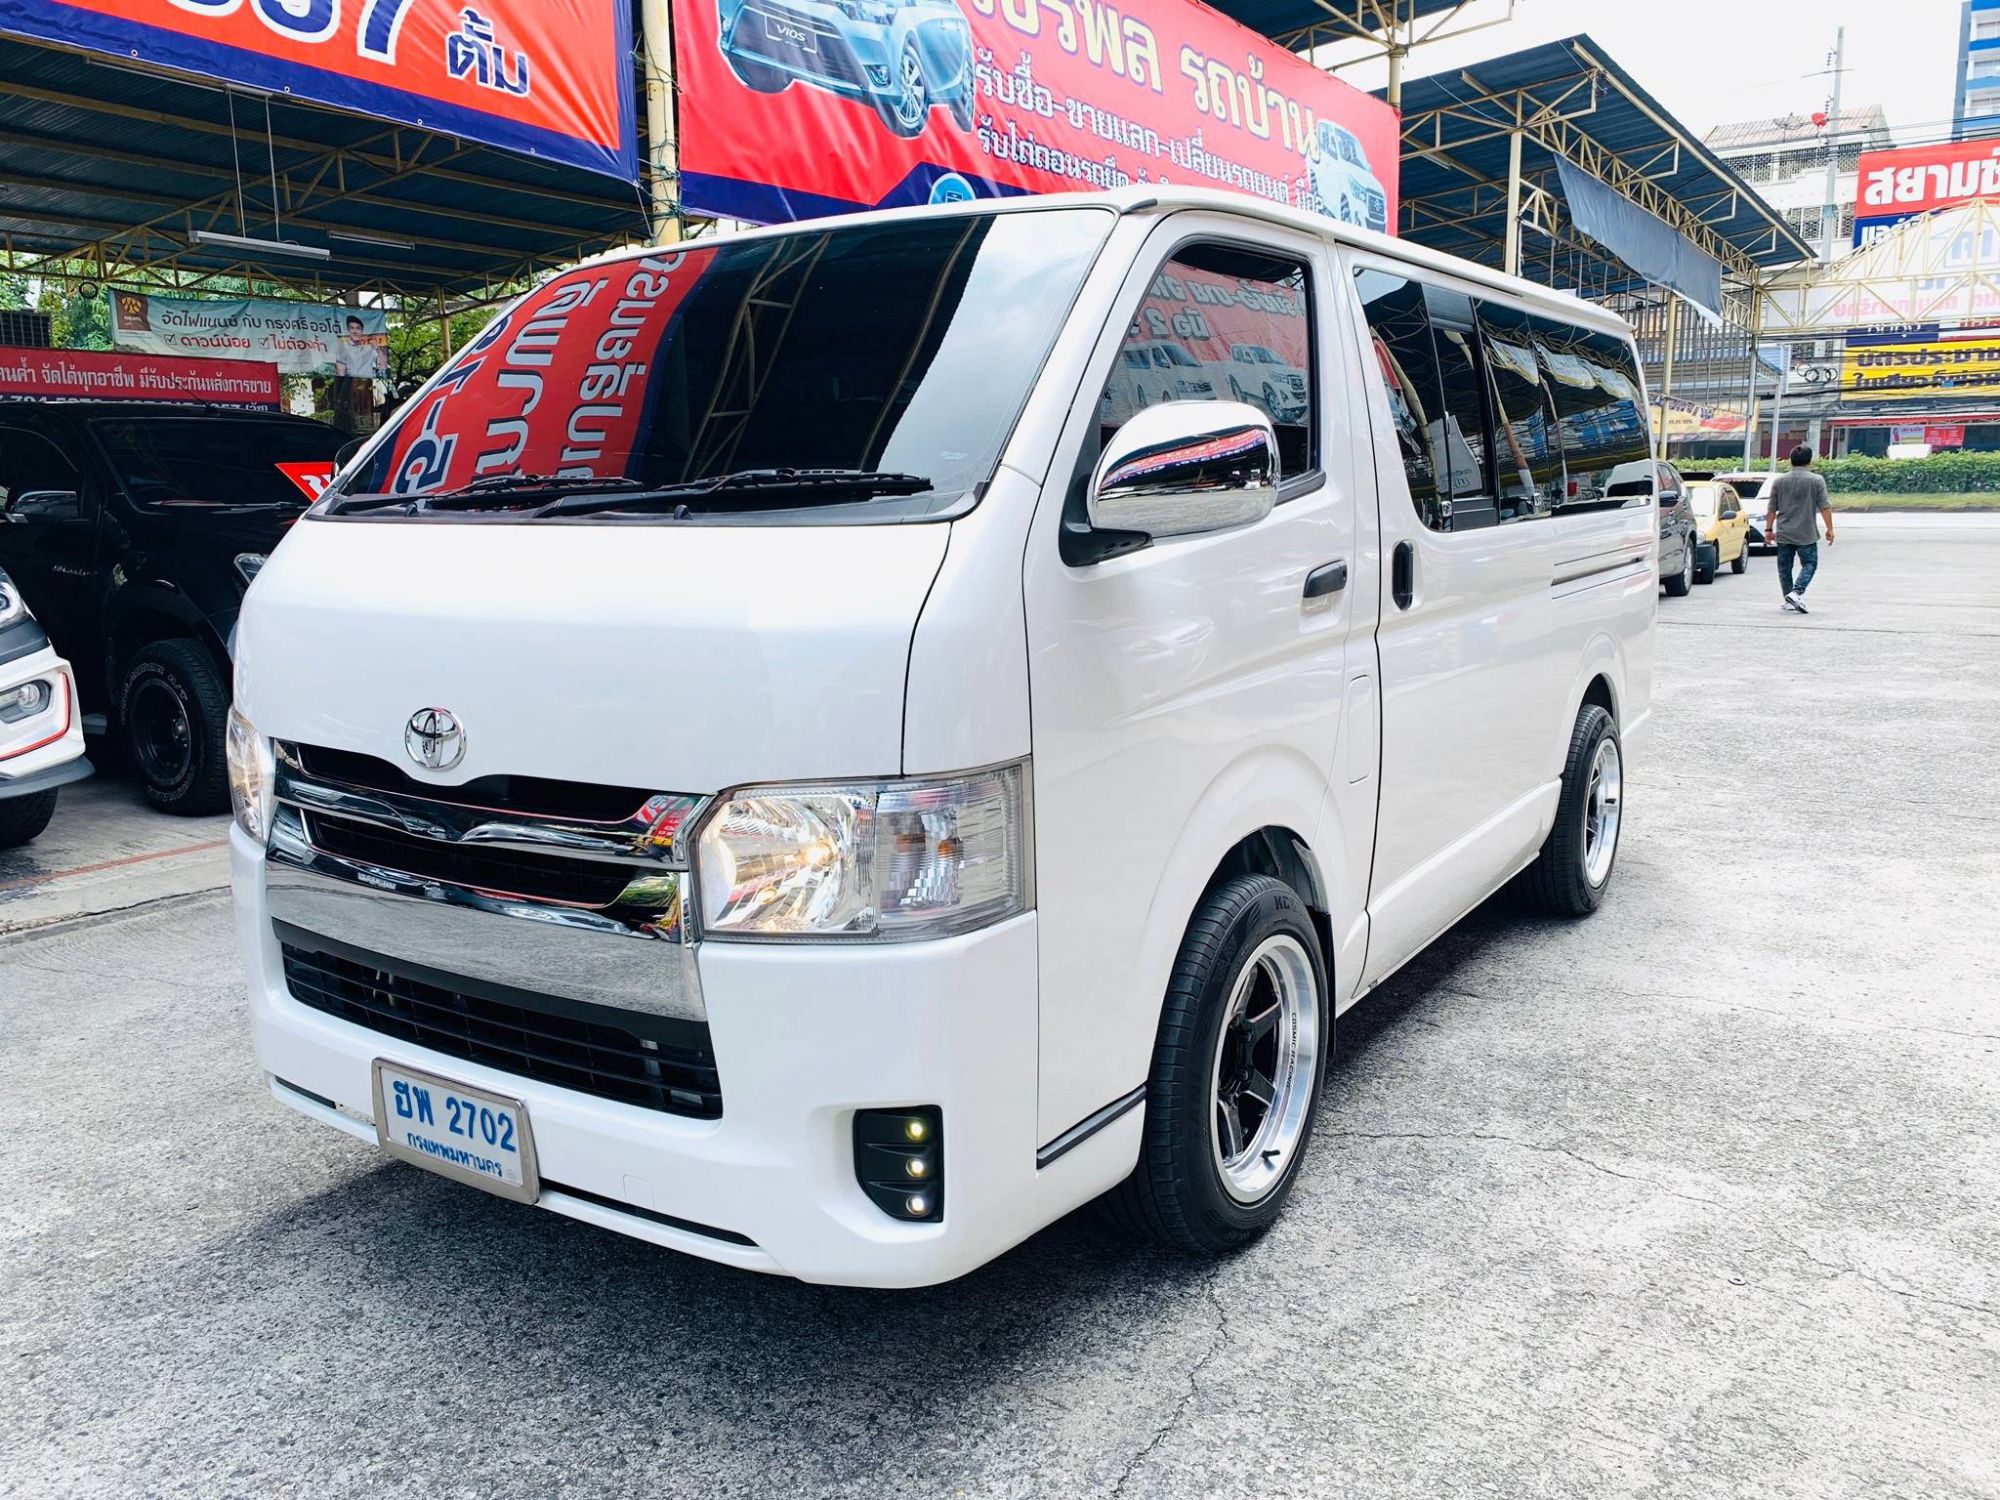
(657, 1062)
(539, 877)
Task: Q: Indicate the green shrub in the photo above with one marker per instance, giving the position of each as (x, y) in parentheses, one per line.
(1940, 474)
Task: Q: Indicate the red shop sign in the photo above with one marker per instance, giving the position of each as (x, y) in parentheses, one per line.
(137, 377)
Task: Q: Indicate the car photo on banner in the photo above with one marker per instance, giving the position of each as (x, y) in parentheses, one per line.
(903, 58)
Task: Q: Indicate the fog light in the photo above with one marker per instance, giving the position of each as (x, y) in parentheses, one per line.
(25, 701)
(894, 1148)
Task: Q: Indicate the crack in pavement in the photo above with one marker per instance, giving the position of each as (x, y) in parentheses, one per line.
(50, 925)
(1215, 1343)
(1536, 1146)
(1877, 1282)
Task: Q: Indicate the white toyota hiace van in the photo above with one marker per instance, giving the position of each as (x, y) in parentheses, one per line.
(757, 756)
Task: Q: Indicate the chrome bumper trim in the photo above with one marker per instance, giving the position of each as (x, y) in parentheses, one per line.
(637, 955)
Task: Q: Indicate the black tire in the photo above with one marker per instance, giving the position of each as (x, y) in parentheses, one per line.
(22, 819)
(1680, 583)
(961, 108)
(1740, 563)
(1176, 1197)
(1558, 883)
(1704, 568)
(761, 77)
(184, 773)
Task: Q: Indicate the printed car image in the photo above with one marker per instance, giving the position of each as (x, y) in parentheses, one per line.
(1153, 370)
(1344, 183)
(902, 57)
(1263, 377)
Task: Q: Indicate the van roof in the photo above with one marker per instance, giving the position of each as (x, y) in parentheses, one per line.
(1157, 200)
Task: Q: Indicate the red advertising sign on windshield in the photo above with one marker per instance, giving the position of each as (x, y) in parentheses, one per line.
(792, 109)
(137, 377)
(548, 78)
(578, 351)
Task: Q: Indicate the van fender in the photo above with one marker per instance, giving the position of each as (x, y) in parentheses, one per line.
(1603, 656)
(1269, 787)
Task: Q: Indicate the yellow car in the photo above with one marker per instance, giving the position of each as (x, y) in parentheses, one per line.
(1718, 511)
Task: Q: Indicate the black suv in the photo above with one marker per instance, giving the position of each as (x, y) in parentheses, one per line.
(132, 529)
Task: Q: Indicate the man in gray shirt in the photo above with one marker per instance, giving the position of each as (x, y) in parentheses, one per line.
(1792, 505)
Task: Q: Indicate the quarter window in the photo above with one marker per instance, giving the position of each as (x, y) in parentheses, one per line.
(1527, 447)
(1222, 324)
(1594, 382)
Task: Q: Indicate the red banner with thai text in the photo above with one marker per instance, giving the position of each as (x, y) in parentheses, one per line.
(546, 78)
(137, 377)
(791, 109)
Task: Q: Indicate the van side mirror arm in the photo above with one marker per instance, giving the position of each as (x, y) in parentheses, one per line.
(1080, 544)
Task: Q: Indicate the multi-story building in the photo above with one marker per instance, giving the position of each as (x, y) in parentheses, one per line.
(1977, 110)
(1784, 159)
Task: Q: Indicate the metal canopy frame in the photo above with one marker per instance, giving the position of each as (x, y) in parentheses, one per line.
(113, 165)
(1479, 155)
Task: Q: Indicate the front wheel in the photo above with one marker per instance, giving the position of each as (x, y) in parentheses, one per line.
(1243, 1042)
(1741, 561)
(174, 708)
(22, 819)
(1570, 875)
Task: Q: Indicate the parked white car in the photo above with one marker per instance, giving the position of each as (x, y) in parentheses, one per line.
(838, 827)
(41, 726)
(1260, 375)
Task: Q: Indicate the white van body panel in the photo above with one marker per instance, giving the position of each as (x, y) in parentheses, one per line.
(1182, 701)
(670, 657)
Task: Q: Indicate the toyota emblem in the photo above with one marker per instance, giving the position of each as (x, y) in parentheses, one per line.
(434, 739)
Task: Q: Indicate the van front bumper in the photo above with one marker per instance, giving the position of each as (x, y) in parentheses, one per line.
(803, 1037)
(45, 749)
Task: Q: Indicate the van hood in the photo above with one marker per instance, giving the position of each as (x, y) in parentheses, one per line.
(675, 657)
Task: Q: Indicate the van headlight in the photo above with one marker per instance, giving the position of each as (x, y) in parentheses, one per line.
(888, 861)
(252, 776)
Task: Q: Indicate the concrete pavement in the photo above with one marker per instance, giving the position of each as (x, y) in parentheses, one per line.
(1698, 1198)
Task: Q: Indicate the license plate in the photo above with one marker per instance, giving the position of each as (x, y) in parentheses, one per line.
(456, 1131)
(791, 34)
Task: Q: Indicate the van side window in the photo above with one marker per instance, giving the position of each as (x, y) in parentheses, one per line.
(1399, 336)
(29, 461)
(1460, 441)
(1223, 324)
(1527, 449)
(1426, 347)
(1594, 380)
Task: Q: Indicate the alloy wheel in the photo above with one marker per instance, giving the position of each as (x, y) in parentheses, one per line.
(1603, 808)
(1266, 1067)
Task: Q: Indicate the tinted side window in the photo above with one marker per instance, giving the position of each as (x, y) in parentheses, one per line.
(1222, 324)
(1528, 455)
(1594, 381)
(1426, 347)
(29, 461)
(1460, 441)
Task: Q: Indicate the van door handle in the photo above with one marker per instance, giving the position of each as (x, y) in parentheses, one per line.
(1403, 575)
(1323, 583)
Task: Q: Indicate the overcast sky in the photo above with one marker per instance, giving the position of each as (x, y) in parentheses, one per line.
(1716, 61)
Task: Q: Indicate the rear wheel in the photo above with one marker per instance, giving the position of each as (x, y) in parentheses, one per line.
(174, 708)
(908, 109)
(1679, 584)
(1570, 875)
(22, 819)
(1243, 1041)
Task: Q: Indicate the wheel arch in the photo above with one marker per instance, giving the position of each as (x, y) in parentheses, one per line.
(1599, 679)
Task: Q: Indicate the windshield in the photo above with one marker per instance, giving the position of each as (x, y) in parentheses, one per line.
(208, 461)
(1704, 501)
(906, 347)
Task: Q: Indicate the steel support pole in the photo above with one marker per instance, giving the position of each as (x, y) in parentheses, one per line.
(1514, 204)
(662, 139)
(1673, 321)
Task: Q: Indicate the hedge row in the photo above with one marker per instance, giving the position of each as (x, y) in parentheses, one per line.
(1940, 474)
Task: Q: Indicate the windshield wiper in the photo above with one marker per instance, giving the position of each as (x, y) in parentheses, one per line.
(493, 490)
(743, 484)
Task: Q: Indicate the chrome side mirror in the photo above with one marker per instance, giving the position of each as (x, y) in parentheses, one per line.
(1185, 467)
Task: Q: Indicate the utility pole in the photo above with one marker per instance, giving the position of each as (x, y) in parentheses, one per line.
(663, 209)
(1829, 219)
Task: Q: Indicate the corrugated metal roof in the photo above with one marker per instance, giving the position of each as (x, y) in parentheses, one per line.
(1284, 17)
(1797, 129)
(1464, 140)
(93, 152)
